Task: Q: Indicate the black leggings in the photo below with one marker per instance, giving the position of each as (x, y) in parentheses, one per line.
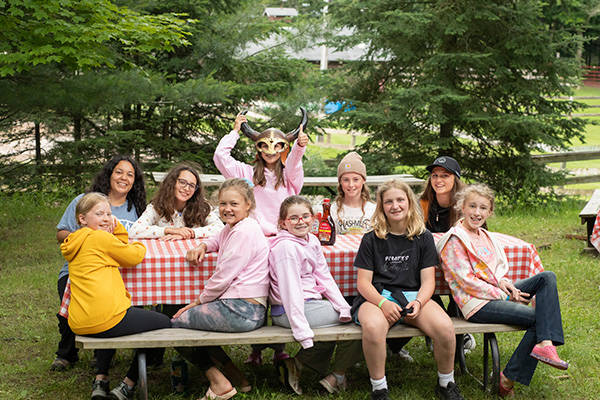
(136, 320)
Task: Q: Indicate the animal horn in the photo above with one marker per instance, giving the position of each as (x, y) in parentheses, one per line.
(293, 135)
(246, 130)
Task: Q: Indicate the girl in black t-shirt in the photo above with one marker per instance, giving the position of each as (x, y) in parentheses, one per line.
(396, 265)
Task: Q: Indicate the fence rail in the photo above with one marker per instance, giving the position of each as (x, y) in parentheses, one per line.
(571, 156)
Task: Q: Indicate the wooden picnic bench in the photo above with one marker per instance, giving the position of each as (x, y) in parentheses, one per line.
(328, 182)
(588, 216)
(180, 337)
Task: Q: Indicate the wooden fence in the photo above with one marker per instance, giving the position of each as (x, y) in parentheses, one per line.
(563, 158)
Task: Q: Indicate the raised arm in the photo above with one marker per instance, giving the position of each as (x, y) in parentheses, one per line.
(228, 166)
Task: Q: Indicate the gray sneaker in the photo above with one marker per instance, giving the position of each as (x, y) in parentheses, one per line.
(100, 390)
(122, 392)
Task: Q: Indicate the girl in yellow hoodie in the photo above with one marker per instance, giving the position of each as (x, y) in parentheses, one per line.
(100, 305)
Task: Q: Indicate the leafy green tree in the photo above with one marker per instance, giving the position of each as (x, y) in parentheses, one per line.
(473, 79)
(80, 35)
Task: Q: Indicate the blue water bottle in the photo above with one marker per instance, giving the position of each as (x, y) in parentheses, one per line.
(179, 374)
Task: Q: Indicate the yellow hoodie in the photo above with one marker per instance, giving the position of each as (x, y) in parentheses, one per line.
(99, 299)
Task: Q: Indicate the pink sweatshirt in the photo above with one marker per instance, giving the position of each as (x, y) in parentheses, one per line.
(299, 272)
(242, 263)
(267, 198)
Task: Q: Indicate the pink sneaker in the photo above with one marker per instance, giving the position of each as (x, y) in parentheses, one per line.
(254, 360)
(549, 356)
(503, 391)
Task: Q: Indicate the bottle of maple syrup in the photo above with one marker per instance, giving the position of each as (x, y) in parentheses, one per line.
(326, 226)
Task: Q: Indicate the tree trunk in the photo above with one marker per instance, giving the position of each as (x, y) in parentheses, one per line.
(38, 145)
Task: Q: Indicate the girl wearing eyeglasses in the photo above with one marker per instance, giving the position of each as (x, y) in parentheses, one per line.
(178, 210)
(304, 295)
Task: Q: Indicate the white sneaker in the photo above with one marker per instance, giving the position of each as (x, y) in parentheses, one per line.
(405, 355)
(469, 342)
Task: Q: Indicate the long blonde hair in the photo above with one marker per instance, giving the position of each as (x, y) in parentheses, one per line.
(415, 224)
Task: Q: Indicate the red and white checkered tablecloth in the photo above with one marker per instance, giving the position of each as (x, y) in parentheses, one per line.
(595, 239)
(165, 277)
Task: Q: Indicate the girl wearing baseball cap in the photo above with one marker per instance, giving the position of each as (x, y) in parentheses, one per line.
(439, 197)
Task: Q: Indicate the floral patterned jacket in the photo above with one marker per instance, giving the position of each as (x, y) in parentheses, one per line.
(470, 279)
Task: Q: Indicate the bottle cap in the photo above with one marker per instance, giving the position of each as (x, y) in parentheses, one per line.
(326, 200)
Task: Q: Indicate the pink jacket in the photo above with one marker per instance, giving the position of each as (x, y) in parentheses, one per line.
(299, 272)
(242, 263)
(471, 281)
(267, 198)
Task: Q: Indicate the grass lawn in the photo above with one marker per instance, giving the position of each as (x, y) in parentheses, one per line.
(30, 261)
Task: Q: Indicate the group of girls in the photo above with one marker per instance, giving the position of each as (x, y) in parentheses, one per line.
(395, 262)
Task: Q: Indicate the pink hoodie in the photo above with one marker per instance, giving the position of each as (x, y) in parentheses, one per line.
(299, 272)
(267, 198)
(242, 263)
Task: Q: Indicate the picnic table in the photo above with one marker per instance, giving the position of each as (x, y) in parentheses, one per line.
(165, 277)
(589, 217)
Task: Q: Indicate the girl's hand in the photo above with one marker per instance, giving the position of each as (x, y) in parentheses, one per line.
(302, 138)
(185, 232)
(170, 238)
(114, 223)
(239, 120)
(196, 255)
(416, 309)
(391, 311)
(513, 293)
(184, 309)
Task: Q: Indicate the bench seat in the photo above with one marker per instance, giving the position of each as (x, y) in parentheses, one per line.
(180, 337)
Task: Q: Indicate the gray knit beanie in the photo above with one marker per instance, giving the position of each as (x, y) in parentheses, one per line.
(352, 163)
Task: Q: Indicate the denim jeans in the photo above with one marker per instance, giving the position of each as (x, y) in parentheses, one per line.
(543, 322)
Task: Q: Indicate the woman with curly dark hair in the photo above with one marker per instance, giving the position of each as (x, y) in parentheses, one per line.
(178, 210)
(122, 181)
(135, 194)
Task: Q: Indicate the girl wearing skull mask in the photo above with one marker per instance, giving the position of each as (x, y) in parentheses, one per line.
(277, 172)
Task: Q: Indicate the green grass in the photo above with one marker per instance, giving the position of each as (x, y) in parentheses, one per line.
(30, 261)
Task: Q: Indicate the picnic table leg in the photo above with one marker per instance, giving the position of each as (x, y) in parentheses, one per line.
(490, 343)
(459, 356)
(143, 379)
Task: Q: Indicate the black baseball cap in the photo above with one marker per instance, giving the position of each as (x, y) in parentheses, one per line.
(446, 162)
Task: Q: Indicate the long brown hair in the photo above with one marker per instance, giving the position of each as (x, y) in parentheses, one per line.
(258, 177)
(196, 208)
(429, 195)
(415, 224)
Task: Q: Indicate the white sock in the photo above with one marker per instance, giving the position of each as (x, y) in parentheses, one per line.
(445, 379)
(339, 378)
(379, 384)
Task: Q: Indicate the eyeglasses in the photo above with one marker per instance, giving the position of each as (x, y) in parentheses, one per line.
(305, 218)
(183, 183)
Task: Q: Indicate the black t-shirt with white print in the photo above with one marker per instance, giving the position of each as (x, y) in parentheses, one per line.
(396, 261)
